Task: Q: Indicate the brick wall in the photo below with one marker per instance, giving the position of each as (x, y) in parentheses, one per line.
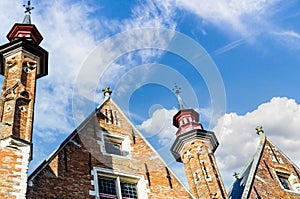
(16, 120)
(201, 170)
(69, 174)
(266, 182)
(14, 159)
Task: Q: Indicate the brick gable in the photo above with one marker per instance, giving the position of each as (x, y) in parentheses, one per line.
(70, 172)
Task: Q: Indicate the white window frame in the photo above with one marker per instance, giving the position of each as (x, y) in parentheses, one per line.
(292, 179)
(123, 140)
(139, 180)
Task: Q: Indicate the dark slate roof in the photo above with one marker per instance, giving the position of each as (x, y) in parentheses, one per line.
(242, 185)
(238, 186)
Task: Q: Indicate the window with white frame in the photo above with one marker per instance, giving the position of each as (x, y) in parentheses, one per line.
(113, 187)
(111, 184)
(116, 145)
(288, 181)
(284, 180)
(113, 144)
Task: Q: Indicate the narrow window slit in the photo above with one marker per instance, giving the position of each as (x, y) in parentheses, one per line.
(268, 169)
(169, 178)
(147, 174)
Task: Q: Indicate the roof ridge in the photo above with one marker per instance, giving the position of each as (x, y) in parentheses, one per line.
(256, 159)
(44, 163)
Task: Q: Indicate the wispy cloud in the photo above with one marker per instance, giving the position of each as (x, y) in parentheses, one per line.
(228, 47)
(288, 38)
(290, 33)
(71, 34)
(232, 16)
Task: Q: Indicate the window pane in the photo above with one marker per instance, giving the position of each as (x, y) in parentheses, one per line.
(128, 190)
(107, 188)
(285, 183)
(112, 148)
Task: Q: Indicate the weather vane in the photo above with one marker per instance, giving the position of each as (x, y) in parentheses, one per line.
(176, 89)
(28, 7)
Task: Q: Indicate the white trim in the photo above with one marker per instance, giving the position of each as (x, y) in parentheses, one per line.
(260, 179)
(123, 140)
(138, 179)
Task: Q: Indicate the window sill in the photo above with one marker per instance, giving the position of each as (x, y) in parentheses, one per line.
(118, 156)
(291, 191)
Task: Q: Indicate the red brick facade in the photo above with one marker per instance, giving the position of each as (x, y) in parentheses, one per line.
(22, 61)
(107, 147)
(16, 117)
(201, 170)
(71, 170)
(273, 165)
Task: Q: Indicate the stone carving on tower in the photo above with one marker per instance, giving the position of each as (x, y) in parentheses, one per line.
(195, 148)
(22, 61)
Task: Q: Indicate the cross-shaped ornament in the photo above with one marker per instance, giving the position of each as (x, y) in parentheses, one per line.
(259, 129)
(28, 7)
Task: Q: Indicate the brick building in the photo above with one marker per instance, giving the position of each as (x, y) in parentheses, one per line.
(106, 156)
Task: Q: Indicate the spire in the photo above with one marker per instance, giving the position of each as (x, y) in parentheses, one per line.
(27, 19)
(181, 104)
(25, 30)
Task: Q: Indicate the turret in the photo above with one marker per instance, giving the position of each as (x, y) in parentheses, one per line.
(22, 62)
(195, 148)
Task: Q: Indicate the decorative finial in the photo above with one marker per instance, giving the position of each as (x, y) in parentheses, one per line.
(176, 89)
(106, 91)
(259, 129)
(181, 104)
(28, 7)
(236, 175)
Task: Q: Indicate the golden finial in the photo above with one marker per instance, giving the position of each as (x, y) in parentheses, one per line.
(236, 175)
(259, 129)
(106, 91)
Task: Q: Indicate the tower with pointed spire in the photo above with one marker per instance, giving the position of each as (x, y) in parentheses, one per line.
(195, 148)
(22, 62)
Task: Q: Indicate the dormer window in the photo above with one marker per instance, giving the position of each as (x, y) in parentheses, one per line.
(112, 144)
(288, 181)
(284, 181)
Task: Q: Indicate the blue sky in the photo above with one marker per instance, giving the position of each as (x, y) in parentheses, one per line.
(254, 45)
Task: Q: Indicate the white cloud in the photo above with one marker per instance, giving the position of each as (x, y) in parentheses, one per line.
(236, 133)
(160, 124)
(238, 141)
(70, 34)
(289, 38)
(231, 15)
